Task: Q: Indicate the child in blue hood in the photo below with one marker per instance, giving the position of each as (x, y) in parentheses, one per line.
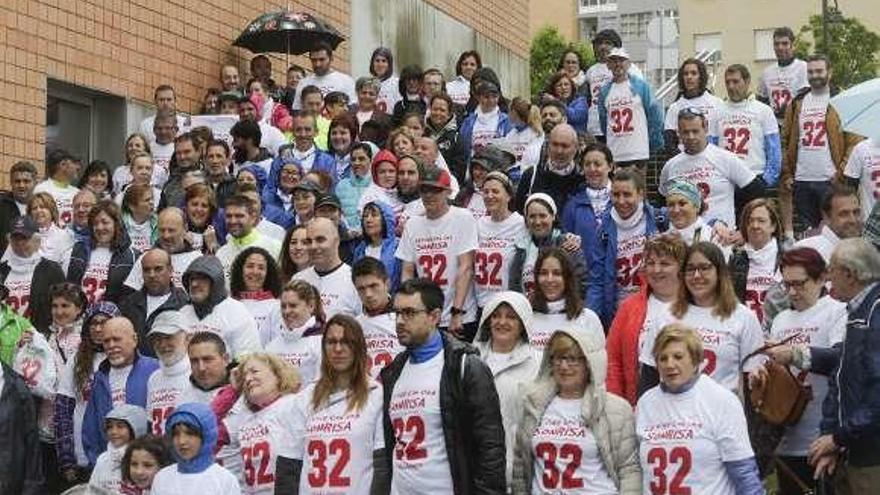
(192, 429)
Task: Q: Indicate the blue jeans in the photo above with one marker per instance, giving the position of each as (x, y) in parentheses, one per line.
(807, 198)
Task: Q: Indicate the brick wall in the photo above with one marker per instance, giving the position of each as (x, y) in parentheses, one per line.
(128, 47)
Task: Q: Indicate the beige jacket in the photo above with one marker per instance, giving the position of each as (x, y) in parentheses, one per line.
(609, 418)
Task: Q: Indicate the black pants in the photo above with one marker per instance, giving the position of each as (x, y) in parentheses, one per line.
(799, 467)
(807, 200)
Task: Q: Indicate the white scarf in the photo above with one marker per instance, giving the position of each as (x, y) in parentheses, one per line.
(628, 223)
(566, 170)
(556, 306)
(764, 257)
(599, 198)
(690, 232)
(294, 334)
(17, 264)
(487, 118)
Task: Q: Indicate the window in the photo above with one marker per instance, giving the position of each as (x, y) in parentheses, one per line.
(708, 42)
(87, 123)
(764, 44)
(635, 26)
(588, 27)
(598, 4)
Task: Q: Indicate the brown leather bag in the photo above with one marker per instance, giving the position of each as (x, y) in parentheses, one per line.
(782, 398)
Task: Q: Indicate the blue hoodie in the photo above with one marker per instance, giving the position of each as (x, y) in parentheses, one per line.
(323, 161)
(602, 286)
(389, 246)
(200, 417)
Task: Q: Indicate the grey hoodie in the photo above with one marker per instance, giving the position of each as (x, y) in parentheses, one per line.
(208, 266)
(608, 417)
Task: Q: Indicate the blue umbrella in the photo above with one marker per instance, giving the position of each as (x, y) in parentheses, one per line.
(859, 109)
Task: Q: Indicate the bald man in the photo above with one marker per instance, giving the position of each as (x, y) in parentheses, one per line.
(171, 227)
(328, 273)
(156, 290)
(121, 379)
(556, 174)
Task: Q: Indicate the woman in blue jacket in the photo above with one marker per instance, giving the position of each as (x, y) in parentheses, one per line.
(617, 256)
(583, 212)
(561, 87)
(377, 221)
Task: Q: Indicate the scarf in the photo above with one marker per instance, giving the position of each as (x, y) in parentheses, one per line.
(693, 232)
(599, 198)
(429, 349)
(486, 118)
(296, 333)
(628, 223)
(764, 257)
(556, 307)
(18, 264)
(562, 172)
(255, 295)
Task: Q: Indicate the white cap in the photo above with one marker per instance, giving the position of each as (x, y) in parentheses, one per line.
(619, 53)
(166, 323)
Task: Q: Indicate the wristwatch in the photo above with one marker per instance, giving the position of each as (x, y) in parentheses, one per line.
(457, 311)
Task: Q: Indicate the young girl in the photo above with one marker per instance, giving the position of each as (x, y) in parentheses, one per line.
(256, 282)
(123, 424)
(299, 332)
(143, 458)
(192, 428)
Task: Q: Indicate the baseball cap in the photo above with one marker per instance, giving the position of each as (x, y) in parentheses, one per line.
(24, 226)
(328, 200)
(307, 185)
(619, 53)
(436, 177)
(487, 87)
(166, 323)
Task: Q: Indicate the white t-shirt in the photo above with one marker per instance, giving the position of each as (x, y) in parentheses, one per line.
(67, 388)
(56, 243)
(459, 89)
(63, 197)
(725, 342)
(140, 234)
(822, 325)
(741, 128)
(434, 247)
(781, 84)
(685, 439)
(304, 353)
(716, 172)
(260, 436)
(630, 246)
(94, 281)
(566, 455)
(164, 393)
(763, 274)
(161, 154)
(338, 294)
(229, 251)
(271, 229)
(544, 324)
(657, 311)
(864, 165)
(598, 75)
(389, 94)
(214, 480)
(122, 178)
(814, 155)
(272, 139)
(266, 311)
(627, 124)
(420, 463)
(331, 81)
(707, 104)
(335, 443)
(485, 129)
(231, 320)
(18, 283)
(118, 378)
(824, 242)
(380, 332)
(179, 263)
(495, 248)
(156, 302)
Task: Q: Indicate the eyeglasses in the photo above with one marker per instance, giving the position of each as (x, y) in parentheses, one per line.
(331, 343)
(795, 284)
(569, 360)
(702, 268)
(409, 313)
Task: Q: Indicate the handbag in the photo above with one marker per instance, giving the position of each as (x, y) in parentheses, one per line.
(782, 397)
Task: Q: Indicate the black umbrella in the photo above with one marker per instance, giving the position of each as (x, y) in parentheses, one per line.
(293, 33)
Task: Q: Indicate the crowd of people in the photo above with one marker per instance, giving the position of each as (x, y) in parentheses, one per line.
(413, 284)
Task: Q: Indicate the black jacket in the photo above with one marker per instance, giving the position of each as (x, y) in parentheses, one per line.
(472, 427)
(449, 144)
(46, 274)
(8, 212)
(21, 464)
(121, 263)
(134, 307)
(559, 187)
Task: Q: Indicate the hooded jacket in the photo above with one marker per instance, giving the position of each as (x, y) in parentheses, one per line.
(450, 146)
(349, 191)
(579, 217)
(134, 307)
(107, 475)
(220, 314)
(46, 274)
(609, 418)
(21, 461)
(201, 418)
(323, 161)
(528, 246)
(101, 402)
(602, 286)
(121, 262)
(8, 212)
(389, 246)
(513, 377)
(466, 132)
(472, 426)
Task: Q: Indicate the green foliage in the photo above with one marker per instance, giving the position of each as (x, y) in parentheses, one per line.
(853, 49)
(547, 48)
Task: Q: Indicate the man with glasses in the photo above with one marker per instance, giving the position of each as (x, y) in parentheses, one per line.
(717, 172)
(324, 77)
(441, 415)
(440, 246)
